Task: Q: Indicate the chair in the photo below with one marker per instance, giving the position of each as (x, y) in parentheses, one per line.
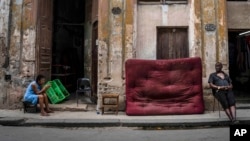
(213, 90)
(83, 85)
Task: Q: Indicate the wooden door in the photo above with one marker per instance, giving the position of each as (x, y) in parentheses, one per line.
(94, 58)
(44, 37)
(172, 43)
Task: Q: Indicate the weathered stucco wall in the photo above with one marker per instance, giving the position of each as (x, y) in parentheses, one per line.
(128, 34)
(115, 45)
(4, 34)
(88, 38)
(215, 45)
(21, 52)
(4, 27)
(110, 46)
(147, 22)
(211, 46)
(238, 15)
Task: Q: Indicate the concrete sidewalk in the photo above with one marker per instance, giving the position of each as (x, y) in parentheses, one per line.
(92, 119)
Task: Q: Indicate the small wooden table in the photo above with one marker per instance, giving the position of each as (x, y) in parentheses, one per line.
(110, 105)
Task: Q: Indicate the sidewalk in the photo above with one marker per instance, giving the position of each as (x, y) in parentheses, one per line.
(92, 119)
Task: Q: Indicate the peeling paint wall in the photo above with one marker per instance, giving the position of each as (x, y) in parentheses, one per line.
(110, 49)
(128, 34)
(215, 46)
(148, 21)
(4, 46)
(4, 27)
(91, 17)
(28, 54)
(116, 20)
(21, 51)
(87, 40)
(238, 15)
(118, 42)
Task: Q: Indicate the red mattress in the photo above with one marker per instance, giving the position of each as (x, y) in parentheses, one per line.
(164, 87)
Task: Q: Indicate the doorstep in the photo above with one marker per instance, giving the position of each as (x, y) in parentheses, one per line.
(68, 107)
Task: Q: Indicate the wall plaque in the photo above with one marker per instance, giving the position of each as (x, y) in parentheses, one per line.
(116, 10)
(210, 27)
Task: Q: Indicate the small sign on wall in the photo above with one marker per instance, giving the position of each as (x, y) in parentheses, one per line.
(210, 27)
(116, 10)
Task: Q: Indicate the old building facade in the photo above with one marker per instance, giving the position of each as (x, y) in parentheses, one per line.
(94, 38)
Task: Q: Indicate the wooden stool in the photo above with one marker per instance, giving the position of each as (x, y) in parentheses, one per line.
(108, 105)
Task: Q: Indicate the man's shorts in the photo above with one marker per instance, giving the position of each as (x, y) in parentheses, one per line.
(226, 98)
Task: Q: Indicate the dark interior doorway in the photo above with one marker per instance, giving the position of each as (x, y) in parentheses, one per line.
(68, 42)
(239, 62)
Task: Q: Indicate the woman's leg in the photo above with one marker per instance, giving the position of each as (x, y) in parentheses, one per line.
(221, 97)
(229, 115)
(41, 103)
(233, 112)
(46, 101)
(231, 102)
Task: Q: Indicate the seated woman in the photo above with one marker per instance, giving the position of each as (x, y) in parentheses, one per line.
(221, 83)
(36, 93)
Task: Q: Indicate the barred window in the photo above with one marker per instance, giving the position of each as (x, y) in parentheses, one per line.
(162, 1)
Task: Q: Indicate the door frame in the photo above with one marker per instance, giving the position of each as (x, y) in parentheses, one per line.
(94, 63)
(48, 50)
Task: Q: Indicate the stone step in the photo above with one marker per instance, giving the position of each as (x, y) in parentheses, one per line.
(68, 107)
(242, 105)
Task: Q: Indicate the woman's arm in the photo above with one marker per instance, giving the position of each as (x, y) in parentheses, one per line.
(214, 86)
(229, 87)
(43, 90)
(220, 87)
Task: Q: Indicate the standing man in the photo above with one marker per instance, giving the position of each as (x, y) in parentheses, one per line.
(222, 86)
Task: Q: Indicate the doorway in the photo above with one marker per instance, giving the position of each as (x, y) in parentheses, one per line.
(239, 62)
(68, 42)
(64, 35)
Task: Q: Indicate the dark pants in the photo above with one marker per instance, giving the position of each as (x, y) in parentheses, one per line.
(226, 98)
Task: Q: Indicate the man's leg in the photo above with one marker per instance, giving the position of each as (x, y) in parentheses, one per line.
(41, 103)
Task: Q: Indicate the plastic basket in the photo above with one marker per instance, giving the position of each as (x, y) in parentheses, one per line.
(57, 89)
(54, 95)
(62, 88)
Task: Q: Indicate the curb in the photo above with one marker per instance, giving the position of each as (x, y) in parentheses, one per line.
(72, 122)
(149, 123)
(11, 121)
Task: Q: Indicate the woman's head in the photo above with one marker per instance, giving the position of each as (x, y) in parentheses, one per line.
(218, 66)
(40, 79)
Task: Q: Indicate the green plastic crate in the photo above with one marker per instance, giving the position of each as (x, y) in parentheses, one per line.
(56, 92)
(52, 95)
(57, 89)
(63, 89)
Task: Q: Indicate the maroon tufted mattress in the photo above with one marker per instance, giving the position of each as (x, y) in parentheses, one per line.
(163, 87)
